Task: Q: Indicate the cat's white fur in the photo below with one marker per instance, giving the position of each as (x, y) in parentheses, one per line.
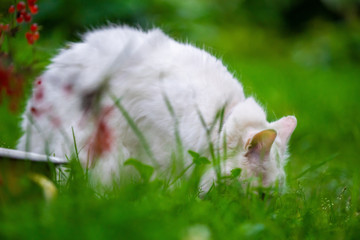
(142, 69)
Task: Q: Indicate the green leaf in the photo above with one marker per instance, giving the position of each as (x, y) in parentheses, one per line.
(201, 160)
(145, 170)
(235, 172)
(135, 129)
(197, 159)
(194, 154)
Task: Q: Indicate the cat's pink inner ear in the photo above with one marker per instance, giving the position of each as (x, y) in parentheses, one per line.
(285, 127)
(260, 145)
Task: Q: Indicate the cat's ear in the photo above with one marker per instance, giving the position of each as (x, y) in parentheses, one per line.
(285, 127)
(258, 147)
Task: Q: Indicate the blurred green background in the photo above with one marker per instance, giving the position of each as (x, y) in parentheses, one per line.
(297, 57)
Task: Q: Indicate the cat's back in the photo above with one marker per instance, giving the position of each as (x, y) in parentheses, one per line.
(138, 66)
(123, 53)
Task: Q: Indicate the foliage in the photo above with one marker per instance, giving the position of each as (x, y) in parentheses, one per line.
(19, 61)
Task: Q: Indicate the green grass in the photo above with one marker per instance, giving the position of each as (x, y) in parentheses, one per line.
(322, 198)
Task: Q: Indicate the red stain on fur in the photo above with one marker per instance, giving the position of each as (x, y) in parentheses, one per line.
(102, 139)
(37, 112)
(68, 88)
(39, 93)
(55, 121)
(39, 90)
(107, 110)
(34, 111)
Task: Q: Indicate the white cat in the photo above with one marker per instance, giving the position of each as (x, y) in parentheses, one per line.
(168, 89)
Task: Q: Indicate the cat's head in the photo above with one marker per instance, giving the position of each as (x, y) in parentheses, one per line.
(260, 147)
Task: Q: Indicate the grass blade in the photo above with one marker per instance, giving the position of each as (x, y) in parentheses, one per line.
(135, 129)
(315, 166)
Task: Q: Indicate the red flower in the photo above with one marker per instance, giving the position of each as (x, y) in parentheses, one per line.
(34, 9)
(21, 6)
(27, 17)
(34, 27)
(12, 9)
(31, 2)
